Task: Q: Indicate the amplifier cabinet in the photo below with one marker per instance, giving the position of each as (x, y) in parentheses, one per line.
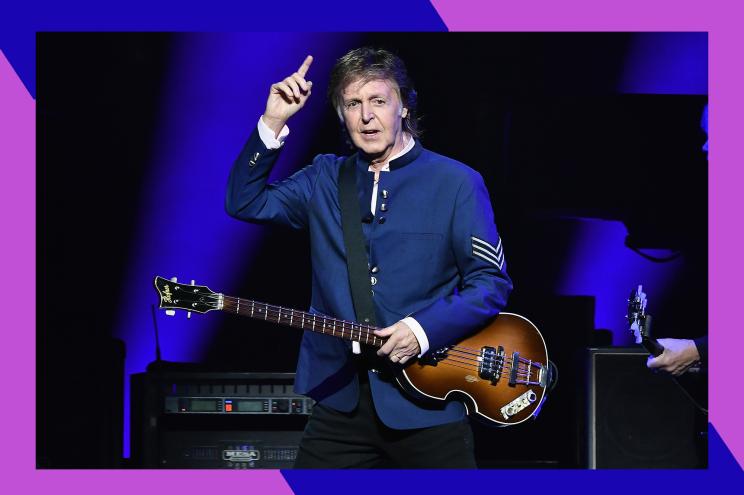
(638, 418)
(228, 449)
(216, 420)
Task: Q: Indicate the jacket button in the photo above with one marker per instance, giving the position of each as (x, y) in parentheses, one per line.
(252, 163)
(381, 220)
(373, 280)
(383, 207)
(374, 269)
(384, 194)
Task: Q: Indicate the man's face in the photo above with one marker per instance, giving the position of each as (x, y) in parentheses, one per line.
(373, 113)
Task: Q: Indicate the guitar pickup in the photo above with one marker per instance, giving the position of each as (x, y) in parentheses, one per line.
(491, 363)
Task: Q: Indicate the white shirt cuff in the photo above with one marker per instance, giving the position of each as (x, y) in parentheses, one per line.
(267, 135)
(418, 331)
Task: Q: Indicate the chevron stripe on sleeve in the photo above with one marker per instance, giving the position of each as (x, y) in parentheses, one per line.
(488, 252)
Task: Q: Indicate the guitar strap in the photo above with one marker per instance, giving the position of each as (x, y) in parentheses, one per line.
(356, 253)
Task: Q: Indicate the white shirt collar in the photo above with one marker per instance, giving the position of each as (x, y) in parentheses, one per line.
(408, 147)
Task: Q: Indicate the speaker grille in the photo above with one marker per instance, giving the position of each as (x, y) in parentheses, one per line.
(637, 418)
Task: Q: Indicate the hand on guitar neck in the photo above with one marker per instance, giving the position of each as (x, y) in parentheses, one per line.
(679, 355)
(401, 344)
(675, 356)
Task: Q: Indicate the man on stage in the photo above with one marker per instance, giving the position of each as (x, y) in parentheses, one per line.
(435, 263)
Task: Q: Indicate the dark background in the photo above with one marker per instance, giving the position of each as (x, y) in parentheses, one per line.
(538, 115)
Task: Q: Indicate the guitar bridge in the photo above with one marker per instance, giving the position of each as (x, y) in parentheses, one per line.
(491, 363)
(514, 369)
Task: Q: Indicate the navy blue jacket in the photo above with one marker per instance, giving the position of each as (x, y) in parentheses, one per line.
(437, 254)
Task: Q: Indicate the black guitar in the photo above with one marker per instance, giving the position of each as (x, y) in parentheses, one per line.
(693, 382)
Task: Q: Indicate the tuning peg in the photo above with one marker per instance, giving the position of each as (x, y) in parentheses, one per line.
(188, 313)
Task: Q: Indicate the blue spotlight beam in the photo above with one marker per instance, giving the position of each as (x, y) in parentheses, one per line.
(602, 266)
(212, 99)
(666, 63)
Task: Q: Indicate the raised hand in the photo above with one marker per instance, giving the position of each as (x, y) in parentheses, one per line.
(287, 97)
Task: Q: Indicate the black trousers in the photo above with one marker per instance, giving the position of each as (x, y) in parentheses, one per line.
(358, 439)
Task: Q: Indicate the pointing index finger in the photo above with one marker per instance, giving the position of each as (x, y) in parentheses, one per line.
(305, 66)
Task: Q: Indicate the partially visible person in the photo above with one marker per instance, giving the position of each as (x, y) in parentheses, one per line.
(681, 354)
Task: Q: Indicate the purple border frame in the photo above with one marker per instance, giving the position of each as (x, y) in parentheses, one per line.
(17, 156)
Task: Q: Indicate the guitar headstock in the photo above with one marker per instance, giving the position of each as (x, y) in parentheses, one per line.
(197, 298)
(637, 317)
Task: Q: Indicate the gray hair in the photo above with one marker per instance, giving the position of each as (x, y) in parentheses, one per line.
(367, 64)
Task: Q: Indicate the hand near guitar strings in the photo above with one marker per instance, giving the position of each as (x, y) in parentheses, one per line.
(287, 97)
(401, 343)
(678, 356)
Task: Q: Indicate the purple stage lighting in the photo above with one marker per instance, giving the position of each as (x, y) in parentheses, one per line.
(666, 63)
(603, 267)
(213, 96)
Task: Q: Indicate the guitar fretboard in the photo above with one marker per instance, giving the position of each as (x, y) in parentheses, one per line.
(300, 319)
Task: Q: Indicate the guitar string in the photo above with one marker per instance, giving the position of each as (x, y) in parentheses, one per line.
(273, 309)
(366, 331)
(525, 382)
(473, 364)
(363, 331)
(521, 373)
(465, 360)
(291, 313)
(521, 377)
(479, 354)
(470, 368)
(336, 326)
(281, 310)
(475, 352)
(274, 315)
(277, 312)
(523, 365)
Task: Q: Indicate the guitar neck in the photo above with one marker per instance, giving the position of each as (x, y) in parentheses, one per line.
(652, 346)
(342, 329)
